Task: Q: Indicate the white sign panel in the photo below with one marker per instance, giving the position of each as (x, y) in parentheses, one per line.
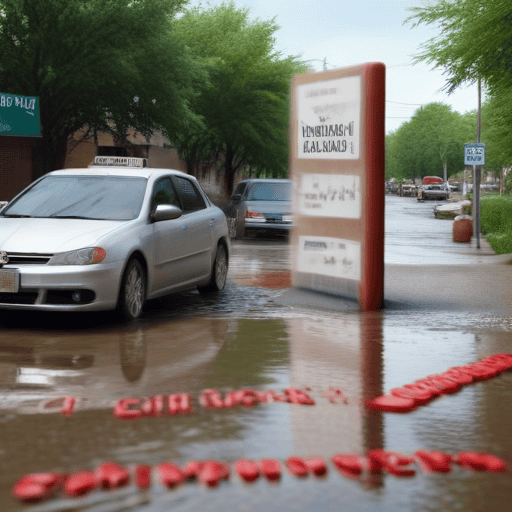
(474, 153)
(328, 115)
(333, 257)
(119, 161)
(330, 195)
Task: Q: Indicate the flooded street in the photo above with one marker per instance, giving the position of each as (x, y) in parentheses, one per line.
(448, 306)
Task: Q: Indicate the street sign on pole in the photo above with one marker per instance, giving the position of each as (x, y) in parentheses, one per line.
(474, 153)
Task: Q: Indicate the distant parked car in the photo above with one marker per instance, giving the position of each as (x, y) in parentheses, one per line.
(260, 205)
(408, 189)
(434, 191)
(455, 186)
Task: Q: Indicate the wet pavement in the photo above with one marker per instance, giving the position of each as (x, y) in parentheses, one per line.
(414, 236)
(447, 305)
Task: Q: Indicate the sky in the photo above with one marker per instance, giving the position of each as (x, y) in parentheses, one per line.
(347, 33)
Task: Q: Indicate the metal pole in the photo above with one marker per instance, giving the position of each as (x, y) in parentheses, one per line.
(476, 202)
(477, 170)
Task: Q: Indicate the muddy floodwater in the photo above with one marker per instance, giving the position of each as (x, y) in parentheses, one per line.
(263, 336)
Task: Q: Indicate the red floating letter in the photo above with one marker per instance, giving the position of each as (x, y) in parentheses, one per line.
(433, 462)
(80, 483)
(391, 403)
(36, 486)
(296, 396)
(179, 404)
(247, 469)
(153, 406)
(111, 475)
(296, 466)
(212, 472)
(349, 465)
(481, 462)
(392, 462)
(211, 398)
(317, 466)
(192, 469)
(143, 476)
(270, 468)
(122, 410)
(170, 475)
(69, 406)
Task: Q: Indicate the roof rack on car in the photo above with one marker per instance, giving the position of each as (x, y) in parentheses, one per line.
(119, 161)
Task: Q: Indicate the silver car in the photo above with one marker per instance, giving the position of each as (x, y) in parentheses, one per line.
(260, 205)
(109, 237)
(433, 191)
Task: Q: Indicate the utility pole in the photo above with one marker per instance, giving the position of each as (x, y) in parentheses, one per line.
(477, 170)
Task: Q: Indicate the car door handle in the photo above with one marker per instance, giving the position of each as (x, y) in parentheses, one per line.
(184, 228)
(212, 222)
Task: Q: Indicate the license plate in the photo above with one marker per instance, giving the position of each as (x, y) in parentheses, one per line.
(9, 280)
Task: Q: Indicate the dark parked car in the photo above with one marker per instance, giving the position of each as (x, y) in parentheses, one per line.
(260, 205)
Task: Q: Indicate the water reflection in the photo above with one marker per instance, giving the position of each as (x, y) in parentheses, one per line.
(342, 357)
(133, 350)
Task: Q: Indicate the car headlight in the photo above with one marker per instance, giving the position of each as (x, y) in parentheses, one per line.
(86, 256)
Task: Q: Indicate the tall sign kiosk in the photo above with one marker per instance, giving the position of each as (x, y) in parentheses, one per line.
(337, 166)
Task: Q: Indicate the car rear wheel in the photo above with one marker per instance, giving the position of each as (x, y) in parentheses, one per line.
(133, 291)
(219, 272)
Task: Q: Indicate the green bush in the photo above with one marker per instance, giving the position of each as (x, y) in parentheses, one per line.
(496, 222)
(501, 244)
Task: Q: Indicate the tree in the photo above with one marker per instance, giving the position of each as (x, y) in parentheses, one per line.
(244, 98)
(437, 128)
(497, 130)
(432, 142)
(109, 65)
(475, 40)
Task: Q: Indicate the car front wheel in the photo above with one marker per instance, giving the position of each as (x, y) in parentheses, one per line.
(219, 272)
(133, 291)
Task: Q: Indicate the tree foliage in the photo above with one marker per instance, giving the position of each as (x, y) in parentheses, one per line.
(497, 130)
(430, 143)
(243, 99)
(474, 40)
(105, 64)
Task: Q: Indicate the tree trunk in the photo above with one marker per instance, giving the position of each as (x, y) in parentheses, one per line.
(229, 173)
(191, 168)
(48, 155)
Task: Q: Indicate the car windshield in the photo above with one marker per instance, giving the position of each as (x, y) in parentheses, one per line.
(81, 197)
(270, 192)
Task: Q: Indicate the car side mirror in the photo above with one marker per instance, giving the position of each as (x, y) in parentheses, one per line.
(166, 212)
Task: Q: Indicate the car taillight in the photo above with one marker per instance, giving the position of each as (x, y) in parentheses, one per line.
(254, 215)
